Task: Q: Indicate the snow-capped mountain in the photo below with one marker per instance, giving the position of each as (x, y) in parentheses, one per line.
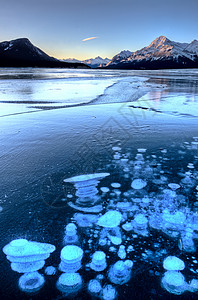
(22, 53)
(161, 53)
(91, 62)
(193, 47)
(118, 58)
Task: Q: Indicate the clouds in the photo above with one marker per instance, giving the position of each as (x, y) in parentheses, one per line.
(90, 38)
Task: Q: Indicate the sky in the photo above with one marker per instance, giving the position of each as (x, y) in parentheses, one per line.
(85, 29)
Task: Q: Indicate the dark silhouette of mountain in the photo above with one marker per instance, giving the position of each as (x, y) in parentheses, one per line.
(162, 53)
(22, 53)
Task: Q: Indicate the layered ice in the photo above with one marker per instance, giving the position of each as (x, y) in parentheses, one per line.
(94, 287)
(86, 188)
(71, 236)
(71, 257)
(27, 256)
(98, 262)
(120, 272)
(174, 282)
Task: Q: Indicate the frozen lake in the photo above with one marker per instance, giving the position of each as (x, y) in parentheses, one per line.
(134, 125)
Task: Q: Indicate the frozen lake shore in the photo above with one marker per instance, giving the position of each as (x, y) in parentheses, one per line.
(39, 149)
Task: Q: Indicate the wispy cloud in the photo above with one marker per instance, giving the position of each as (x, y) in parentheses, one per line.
(91, 38)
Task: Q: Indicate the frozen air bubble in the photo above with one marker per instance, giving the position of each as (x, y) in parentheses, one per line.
(71, 257)
(122, 252)
(50, 270)
(127, 226)
(141, 150)
(119, 273)
(31, 282)
(109, 292)
(104, 189)
(71, 236)
(110, 219)
(116, 149)
(69, 283)
(138, 184)
(174, 282)
(193, 286)
(173, 263)
(94, 287)
(27, 256)
(98, 262)
(86, 188)
(140, 221)
(28, 266)
(85, 220)
(116, 185)
(173, 186)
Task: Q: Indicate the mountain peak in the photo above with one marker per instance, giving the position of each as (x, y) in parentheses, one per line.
(161, 53)
(160, 41)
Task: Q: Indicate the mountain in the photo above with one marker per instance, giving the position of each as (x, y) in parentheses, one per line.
(91, 62)
(120, 57)
(96, 62)
(162, 53)
(22, 53)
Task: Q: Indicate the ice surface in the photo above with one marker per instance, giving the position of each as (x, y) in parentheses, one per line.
(172, 212)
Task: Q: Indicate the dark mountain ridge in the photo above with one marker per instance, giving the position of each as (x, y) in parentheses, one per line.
(22, 53)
